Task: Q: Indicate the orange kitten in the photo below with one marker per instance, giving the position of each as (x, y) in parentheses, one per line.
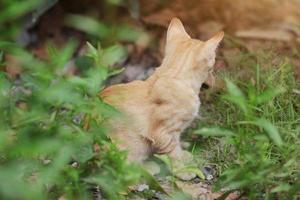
(157, 110)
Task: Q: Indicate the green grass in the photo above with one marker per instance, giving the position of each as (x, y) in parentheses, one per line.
(258, 153)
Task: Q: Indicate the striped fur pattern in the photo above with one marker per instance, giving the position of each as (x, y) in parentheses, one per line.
(156, 111)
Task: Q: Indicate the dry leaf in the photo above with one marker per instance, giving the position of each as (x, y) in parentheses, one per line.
(161, 18)
(277, 35)
(209, 28)
(296, 64)
(195, 190)
(40, 52)
(232, 57)
(13, 65)
(292, 27)
(202, 191)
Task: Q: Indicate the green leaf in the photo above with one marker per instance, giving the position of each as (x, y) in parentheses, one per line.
(75, 80)
(15, 10)
(166, 159)
(113, 54)
(60, 94)
(115, 72)
(271, 130)
(191, 169)
(127, 33)
(84, 153)
(214, 131)
(88, 25)
(95, 79)
(268, 95)
(235, 95)
(59, 57)
(152, 182)
(93, 51)
(281, 188)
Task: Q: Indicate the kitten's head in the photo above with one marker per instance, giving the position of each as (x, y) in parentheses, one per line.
(193, 55)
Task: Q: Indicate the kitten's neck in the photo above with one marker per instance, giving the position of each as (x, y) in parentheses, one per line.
(182, 68)
(189, 78)
(195, 81)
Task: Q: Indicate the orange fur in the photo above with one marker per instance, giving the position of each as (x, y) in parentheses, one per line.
(157, 110)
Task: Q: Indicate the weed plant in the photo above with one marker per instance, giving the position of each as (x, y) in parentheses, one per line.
(252, 130)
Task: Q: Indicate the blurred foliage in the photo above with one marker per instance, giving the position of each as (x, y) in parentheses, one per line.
(53, 129)
(259, 123)
(12, 16)
(53, 139)
(103, 31)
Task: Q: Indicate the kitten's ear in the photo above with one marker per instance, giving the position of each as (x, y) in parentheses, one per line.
(176, 30)
(211, 45)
